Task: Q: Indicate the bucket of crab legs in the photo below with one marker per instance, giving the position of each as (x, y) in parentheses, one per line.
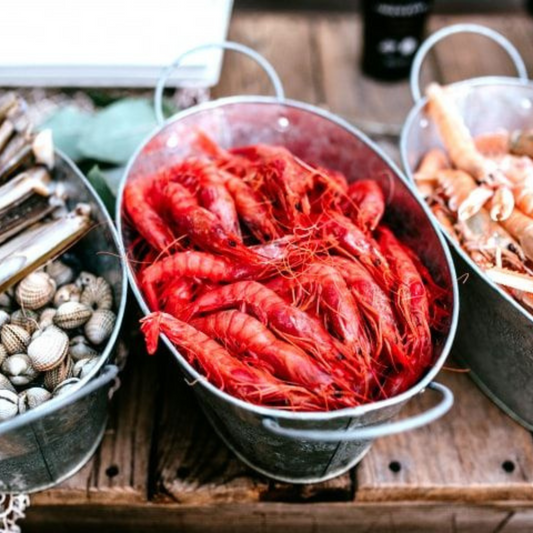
(469, 149)
(288, 267)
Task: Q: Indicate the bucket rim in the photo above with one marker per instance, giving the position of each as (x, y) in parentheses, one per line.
(415, 114)
(272, 412)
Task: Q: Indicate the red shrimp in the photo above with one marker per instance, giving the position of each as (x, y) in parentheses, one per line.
(375, 306)
(365, 204)
(191, 264)
(202, 227)
(146, 220)
(222, 369)
(292, 324)
(175, 295)
(411, 300)
(240, 332)
(323, 284)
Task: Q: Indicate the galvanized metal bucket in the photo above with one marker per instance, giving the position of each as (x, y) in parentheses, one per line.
(299, 447)
(495, 333)
(48, 444)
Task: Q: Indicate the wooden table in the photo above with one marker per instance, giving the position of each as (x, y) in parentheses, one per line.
(161, 467)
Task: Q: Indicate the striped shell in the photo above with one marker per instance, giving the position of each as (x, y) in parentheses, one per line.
(66, 386)
(4, 317)
(48, 349)
(84, 367)
(60, 272)
(5, 384)
(31, 398)
(71, 315)
(60, 373)
(19, 370)
(67, 293)
(80, 349)
(9, 404)
(97, 294)
(35, 290)
(3, 354)
(100, 326)
(25, 318)
(14, 338)
(46, 318)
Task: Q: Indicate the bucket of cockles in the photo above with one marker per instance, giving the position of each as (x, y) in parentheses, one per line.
(62, 298)
(287, 265)
(468, 147)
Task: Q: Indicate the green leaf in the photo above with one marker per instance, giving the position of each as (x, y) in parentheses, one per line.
(116, 131)
(98, 180)
(68, 125)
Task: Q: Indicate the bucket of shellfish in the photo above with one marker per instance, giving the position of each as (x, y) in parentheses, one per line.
(468, 148)
(290, 270)
(62, 297)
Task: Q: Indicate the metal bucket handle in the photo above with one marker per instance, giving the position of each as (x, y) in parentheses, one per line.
(369, 433)
(226, 45)
(477, 29)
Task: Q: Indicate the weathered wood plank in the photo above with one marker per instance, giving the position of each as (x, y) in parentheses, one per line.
(118, 473)
(404, 517)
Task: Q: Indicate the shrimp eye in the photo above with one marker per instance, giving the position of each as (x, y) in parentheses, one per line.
(377, 262)
(232, 243)
(298, 206)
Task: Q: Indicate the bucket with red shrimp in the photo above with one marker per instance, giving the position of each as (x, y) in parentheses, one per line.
(294, 276)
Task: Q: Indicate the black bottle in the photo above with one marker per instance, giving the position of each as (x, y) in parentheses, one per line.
(393, 31)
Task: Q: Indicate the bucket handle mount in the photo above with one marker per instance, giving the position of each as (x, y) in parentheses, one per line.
(371, 432)
(477, 29)
(225, 45)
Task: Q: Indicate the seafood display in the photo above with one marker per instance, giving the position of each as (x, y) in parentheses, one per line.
(280, 282)
(481, 191)
(52, 325)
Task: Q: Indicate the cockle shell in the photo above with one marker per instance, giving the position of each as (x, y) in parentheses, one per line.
(60, 373)
(80, 349)
(67, 293)
(46, 318)
(4, 317)
(84, 366)
(14, 338)
(5, 300)
(19, 369)
(85, 278)
(71, 315)
(5, 384)
(25, 318)
(3, 354)
(97, 294)
(9, 402)
(100, 326)
(66, 386)
(60, 272)
(48, 349)
(35, 290)
(31, 398)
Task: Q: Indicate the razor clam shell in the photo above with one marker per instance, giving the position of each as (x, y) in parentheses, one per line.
(25, 318)
(68, 293)
(32, 397)
(35, 290)
(9, 401)
(34, 180)
(5, 384)
(66, 386)
(72, 315)
(60, 272)
(43, 148)
(97, 294)
(19, 369)
(48, 349)
(100, 326)
(60, 373)
(14, 338)
(83, 367)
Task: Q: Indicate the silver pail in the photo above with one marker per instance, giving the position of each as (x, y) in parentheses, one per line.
(48, 444)
(300, 447)
(495, 333)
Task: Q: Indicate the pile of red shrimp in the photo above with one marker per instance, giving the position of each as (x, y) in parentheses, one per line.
(278, 281)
